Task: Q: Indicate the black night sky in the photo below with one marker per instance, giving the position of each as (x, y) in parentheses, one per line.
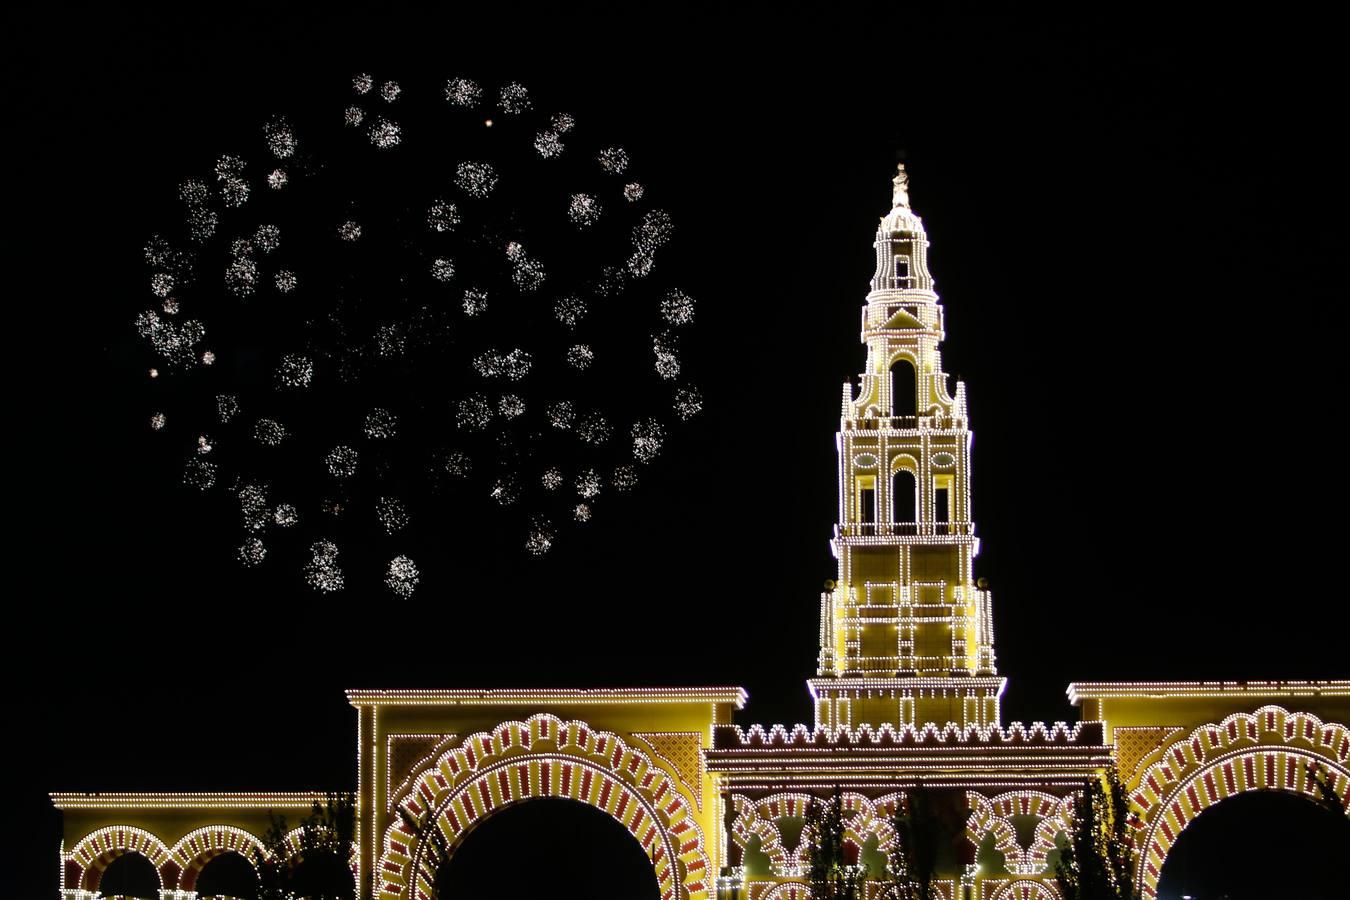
(1135, 234)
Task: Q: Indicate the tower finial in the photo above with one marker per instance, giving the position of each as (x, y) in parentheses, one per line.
(900, 188)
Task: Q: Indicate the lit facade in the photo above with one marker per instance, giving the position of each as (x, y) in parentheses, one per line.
(906, 695)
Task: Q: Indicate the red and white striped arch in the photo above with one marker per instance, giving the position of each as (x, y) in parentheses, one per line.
(87, 860)
(1269, 750)
(197, 848)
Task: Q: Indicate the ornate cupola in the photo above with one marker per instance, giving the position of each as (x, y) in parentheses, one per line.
(902, 245)
(906, 633)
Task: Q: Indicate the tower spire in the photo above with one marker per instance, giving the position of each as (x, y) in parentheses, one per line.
(900, 188)
(906, 627)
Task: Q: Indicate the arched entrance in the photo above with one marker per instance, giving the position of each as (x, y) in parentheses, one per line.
(587, 854)
(544, 757)
(227, 874)
(130, 875)
(1272, 749)
(199, 848)
(96, 851)
(1288, 848)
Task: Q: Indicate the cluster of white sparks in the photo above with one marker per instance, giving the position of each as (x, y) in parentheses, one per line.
(341, 461)
(391, 514)
(402, 576)
(614, 160)
(295, 371)
(477, 179)
(269, 432)
(584, 210)
(323, 572)
(381, 425)
(527, 273)
(474, 302)
(513, 365)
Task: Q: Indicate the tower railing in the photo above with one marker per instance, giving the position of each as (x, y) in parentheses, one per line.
(903, 529)
(903, 423)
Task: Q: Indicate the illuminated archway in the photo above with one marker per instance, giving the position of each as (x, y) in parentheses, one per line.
(547, 757)
(96, 850)
(197, 848)
(790, 891)
(994, 815)
(1026, 890)
(1272, 749)
(862, 818)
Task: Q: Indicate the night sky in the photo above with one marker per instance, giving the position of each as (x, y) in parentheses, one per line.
(1135, 235)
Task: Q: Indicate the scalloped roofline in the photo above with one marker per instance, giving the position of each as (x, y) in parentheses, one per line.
(1058, 733)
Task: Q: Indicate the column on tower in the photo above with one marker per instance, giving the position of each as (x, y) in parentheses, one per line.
(906, 633)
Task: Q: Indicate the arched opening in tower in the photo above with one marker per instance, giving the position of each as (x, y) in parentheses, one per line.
(904, 496)
(904, 389)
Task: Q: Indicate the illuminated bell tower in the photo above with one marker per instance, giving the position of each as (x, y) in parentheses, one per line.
(906, 635)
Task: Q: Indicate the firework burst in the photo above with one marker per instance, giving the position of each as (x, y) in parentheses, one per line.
(434, 319)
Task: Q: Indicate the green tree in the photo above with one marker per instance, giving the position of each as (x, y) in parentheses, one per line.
(433, 843)
(323, 848)
(1327, 796)
(273, 860)
(1097, 861)
(919, 835)
(828, 870)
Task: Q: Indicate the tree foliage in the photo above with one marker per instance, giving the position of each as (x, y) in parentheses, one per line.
(1327, 796)
(1097, 861)
(829, 872)
(919, 835)
(316, 865)
(434, 846)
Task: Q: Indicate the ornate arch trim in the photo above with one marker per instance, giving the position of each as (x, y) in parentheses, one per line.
(96, 850)
(547, 757)
(1270, 749)
(196, 848)
(788, 891)
(1026, 890)
(993, 815)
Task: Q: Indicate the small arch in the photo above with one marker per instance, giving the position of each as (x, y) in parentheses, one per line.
(196, 849)
(226, 874)
(1026, 890)
(94, 852)
(130, 875)
(791, 890)
(904, 496)
(904, 387)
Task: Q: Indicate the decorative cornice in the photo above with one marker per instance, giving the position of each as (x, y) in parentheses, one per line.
(734, 696)
(96, 800)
